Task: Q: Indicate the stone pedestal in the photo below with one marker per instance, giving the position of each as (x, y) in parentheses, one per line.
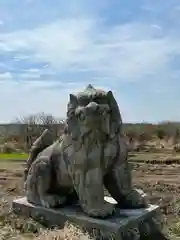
(124, 224)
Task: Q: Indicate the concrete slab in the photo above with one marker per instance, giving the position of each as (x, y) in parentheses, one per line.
(118, 223)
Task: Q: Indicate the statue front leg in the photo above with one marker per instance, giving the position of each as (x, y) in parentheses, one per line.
(118, 182)
(89, 187)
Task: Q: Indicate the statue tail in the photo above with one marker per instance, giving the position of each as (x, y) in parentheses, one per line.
(42, 142)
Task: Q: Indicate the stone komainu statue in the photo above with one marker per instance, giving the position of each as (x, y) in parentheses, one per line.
(90, 155)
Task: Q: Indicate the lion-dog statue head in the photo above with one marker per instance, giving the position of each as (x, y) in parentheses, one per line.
(93, 110)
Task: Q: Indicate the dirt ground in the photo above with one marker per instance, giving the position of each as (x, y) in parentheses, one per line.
(161, 182)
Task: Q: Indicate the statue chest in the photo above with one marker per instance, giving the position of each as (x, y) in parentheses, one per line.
(96, 156)
(110, 153)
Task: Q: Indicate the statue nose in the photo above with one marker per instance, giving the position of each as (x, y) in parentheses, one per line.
(93, 107)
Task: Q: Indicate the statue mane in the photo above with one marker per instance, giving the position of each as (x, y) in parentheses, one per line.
(89, 94)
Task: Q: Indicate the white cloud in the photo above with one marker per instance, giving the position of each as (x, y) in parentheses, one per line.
(22, 98)
(125, 51)
(30, 75)
(31, 97)
(35, 74)
(45, 70)
(5, 76)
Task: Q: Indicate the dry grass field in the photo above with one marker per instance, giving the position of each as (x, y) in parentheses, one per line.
(15, 227)
(161, 182)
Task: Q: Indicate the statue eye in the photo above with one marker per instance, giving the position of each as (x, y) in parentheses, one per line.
(81, 116)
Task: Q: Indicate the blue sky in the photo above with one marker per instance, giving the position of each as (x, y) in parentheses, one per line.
(49, 49)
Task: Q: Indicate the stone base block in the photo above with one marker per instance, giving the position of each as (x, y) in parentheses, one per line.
(132, 223)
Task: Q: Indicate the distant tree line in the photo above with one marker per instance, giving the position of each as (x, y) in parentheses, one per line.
(147, 131)
(30, 127)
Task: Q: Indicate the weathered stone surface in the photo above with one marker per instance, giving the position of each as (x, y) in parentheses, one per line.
(121, 222)
(90, 155)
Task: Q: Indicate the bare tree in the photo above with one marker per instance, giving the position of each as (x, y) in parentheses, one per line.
(32, 126)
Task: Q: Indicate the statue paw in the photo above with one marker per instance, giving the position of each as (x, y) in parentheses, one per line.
(51, 201)
(105, 210)
(137, 199)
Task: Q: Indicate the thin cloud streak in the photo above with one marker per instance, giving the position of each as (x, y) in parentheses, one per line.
(122, 52)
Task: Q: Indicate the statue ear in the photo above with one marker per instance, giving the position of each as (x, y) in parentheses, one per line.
(116, 120)
(72, 123)
(114, 106)
(73, 99)
(110, 96)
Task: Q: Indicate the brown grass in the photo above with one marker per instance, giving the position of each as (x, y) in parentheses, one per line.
(160, 181)
(70, 232)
